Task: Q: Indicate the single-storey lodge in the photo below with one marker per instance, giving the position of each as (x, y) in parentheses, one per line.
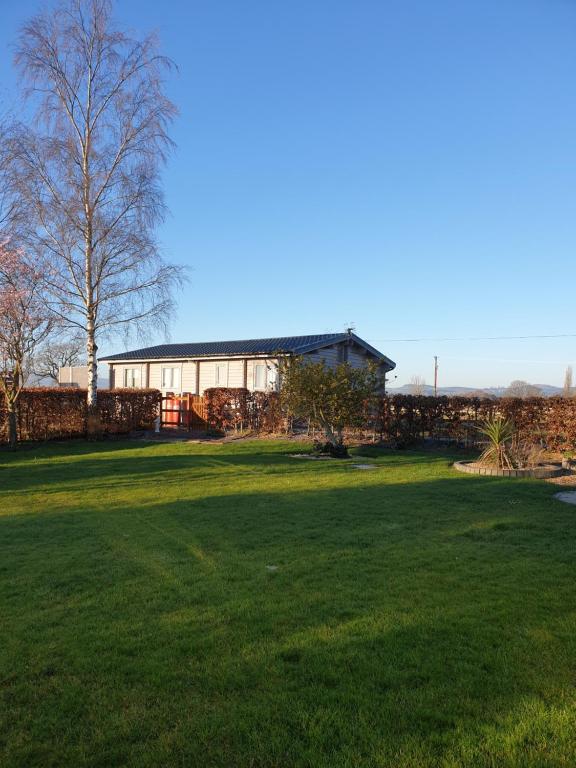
(253, 364)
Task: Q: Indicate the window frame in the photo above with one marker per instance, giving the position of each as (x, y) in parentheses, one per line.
(174, 387)
(135, 378)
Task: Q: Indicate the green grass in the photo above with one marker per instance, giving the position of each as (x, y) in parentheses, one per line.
(417, 617)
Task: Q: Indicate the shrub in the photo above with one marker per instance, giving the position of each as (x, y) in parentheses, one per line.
(230, 408)
(50, 413)
(330, 398)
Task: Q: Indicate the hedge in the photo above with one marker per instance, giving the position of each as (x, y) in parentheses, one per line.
(405, 419)
(230, 408)
(48, 413)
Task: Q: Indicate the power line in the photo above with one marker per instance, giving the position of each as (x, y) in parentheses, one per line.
(502, 360)
(479, 338)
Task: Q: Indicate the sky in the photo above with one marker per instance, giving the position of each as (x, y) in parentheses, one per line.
(406, 167)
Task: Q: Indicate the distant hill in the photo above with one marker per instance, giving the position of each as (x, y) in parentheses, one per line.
(547, 390)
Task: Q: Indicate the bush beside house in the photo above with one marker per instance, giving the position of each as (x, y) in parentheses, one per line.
(241, 409)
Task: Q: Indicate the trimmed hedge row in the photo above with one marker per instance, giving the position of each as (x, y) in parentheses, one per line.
(49, 413)
(230, 408)
(405, 419)
(46, 413)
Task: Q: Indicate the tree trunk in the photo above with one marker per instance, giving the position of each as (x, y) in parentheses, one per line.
(330, 434)
(337, 449)
(12, 428)
(11, 394)
(93, 419)
(91, 350)
(91, 347)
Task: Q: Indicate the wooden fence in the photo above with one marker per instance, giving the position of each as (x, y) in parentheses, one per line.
(183, 412)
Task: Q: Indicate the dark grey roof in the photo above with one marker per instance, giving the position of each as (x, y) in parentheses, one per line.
(287, 344)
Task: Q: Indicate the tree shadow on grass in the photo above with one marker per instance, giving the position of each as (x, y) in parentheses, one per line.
(58, 467)
(402, 623)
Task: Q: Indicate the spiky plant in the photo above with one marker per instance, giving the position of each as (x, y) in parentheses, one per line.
(500, 433)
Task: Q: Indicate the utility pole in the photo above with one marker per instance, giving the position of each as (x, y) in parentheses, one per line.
(435, 375)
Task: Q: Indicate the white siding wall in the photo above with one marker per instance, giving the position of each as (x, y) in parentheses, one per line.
(236, 373)
(250, 376)
(189, 377)
(207, 374)
(155, 375)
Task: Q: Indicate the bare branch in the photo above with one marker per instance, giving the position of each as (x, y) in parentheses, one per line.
(90, 173)
(57, 354)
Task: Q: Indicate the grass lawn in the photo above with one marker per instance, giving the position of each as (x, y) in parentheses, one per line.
(414, 616)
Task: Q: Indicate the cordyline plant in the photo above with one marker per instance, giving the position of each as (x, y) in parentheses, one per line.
(332, 399)
(500, 433)
(24, 324)
(89, 172)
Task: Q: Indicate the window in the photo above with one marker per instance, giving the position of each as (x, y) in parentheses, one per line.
(260, 376)
(171, 379)
(132, 377)
(221, 374)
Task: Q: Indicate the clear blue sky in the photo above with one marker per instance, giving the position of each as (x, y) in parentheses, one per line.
(405, 165)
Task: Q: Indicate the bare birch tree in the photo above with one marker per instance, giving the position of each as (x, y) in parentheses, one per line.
(90, 170)
(6, 203)
(12, 204)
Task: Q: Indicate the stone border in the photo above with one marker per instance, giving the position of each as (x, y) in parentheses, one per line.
(541, 473)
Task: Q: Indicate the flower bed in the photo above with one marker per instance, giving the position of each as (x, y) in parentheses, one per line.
(541, 472)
